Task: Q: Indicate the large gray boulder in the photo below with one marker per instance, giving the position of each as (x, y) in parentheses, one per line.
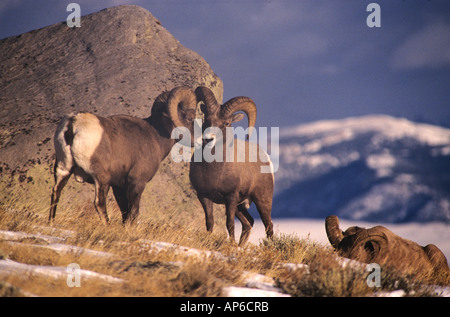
(117, 62)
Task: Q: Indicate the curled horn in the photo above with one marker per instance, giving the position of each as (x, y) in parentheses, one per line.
(334, 234)
(207, 96)
(180, 95)
(244, 104)
(437, 258)
(160, 103)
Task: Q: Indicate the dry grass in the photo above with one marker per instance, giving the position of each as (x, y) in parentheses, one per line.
(145, 272)
(24, 208)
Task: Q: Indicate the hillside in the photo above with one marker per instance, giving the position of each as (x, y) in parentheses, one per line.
(78, 257)
(117, 62)
(374, 168)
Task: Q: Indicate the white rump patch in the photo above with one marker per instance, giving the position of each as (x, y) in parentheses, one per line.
(88, 133)
(264, 157)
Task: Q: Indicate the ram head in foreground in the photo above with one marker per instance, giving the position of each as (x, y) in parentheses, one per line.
(120, 151)
(235, 181)
(382, 246)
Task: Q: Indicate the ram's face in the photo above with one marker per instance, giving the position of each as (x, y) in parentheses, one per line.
(214, 127)
(211, 130)
(187, 117)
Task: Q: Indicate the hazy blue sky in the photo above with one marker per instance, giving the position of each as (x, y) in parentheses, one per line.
(300, 60)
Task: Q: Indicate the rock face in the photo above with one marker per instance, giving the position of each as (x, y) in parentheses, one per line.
(117, 62)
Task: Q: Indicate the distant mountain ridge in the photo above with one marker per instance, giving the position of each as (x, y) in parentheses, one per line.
(372, 168)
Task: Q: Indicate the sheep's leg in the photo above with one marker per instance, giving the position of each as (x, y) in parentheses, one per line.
(264, 209)
(134, 193)
(231, 208)
(121, 197)
(61, 178)
(247, 223)
(267, 221)
(207, 205)
(101, 191)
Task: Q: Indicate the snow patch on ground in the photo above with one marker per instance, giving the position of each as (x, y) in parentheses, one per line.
(52, 243)
(254, 284)
(8, 267)
(235, 291)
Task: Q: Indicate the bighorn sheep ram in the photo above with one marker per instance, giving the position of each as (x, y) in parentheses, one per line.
(120, 151)
(236, 183)
(382, 246)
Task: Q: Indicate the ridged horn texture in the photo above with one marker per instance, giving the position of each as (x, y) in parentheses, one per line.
(180, 98)
(334, 234)
(207, 96)
(375, 244)
(437, 258)
(244, 104)
(160, 102)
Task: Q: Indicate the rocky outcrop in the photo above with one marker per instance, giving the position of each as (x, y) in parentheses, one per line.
(117, 62)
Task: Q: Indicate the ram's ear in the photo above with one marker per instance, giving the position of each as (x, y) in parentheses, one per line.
(237, 117)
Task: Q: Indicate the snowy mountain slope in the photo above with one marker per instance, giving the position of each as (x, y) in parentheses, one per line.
(373, 168)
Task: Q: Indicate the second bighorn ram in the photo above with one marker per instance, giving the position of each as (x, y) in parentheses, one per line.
(382, 246)
(120, 151)
(238, 182)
